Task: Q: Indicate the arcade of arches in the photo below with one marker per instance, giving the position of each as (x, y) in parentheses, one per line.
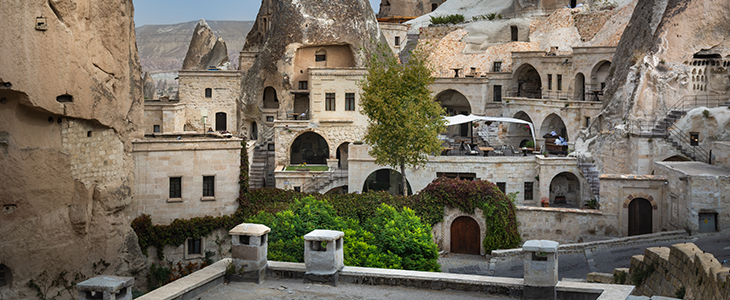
(455, 103)
(310, 148)
(552, 123)
(519, 134)
(387, 180)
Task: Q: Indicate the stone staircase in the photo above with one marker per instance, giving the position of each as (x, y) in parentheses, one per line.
(661, 127)
(590, 172)
(257, 177)
(320, 181)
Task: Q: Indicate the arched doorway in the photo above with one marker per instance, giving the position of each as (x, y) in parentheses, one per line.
(565, 190)
(340, 190)
(600, 74)
(580, 87)
(519, 134)
(455, 103)
(465, 236)
(254, 131)
(552, 123)
(220, 121)
(310, 148)
(677, 158)
(388, 180)
(270, 98)
(528, 82)
(342, 155)
(640, 216)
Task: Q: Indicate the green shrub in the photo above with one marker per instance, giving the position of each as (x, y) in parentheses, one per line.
(450, 19)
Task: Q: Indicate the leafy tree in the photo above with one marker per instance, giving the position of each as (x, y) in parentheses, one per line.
(404, 121)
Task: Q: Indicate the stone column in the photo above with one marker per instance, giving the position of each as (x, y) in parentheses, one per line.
(541, 270)
(249, 246)
(323, 256)
(106, 287)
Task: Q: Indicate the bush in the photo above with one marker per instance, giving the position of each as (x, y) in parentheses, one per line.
(450, 19)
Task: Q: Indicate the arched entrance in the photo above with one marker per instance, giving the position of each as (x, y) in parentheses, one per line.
(342, 155)
(465, 236)
(600, 74)
(565, 190)
(388, 180)
(520, 134)
(528, 82)
(580, 87)
(552, 123)
(310, 148)
(640, 216)
(220, 121)
(270, 98)
(455, 103)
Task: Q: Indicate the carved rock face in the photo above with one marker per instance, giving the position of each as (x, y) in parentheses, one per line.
(205, 50)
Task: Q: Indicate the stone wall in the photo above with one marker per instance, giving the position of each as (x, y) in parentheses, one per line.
(97, 152)
(566, 225)
(226, 89)
(158, 159)
(170, 116)
(617, 191)
(721, 150)
(681, 266)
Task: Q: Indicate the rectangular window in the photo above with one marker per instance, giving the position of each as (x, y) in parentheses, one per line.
(502, 187)
(560, 82)
(3, 279)
(329, 101)
(194, 246)
(497, 67)
(175, 187)
(550, 82)
(350, 101)
(515, 33)
(208, 93)
(155, 128)
(208, 186)
(497, 93)
(528, 190)
(588, 121)
(303, 85)
(694, 138)
(397, 41)
(320, 57)
(269, 118)
(297, 188)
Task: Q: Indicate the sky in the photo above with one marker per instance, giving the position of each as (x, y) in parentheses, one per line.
(150, 12)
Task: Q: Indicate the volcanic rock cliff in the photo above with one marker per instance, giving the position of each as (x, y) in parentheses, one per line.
(70, 105)
(206, 50)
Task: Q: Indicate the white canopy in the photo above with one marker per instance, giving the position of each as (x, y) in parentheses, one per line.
(460, 119)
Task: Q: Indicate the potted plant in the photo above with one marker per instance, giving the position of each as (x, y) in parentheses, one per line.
(545, 203)
(530, 144)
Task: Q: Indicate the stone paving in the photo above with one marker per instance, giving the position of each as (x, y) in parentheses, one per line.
(577, 265)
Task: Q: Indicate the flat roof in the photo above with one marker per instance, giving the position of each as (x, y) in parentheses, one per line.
(694, 168)
(296, 289)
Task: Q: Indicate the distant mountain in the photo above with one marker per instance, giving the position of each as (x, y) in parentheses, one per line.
(162, 48)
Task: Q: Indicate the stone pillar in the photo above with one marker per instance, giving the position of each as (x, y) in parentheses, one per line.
(333, 163)
(106, 287)
(541, 270)
(249, 246)
(323, 256)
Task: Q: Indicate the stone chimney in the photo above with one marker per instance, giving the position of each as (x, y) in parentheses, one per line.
(323, 256)
(249, 246)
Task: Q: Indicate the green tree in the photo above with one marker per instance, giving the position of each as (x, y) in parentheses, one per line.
(404, 121)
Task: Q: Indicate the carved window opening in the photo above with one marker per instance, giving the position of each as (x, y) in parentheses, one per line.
(5, 276)
(560, 82)
(397, 41)
(208, 93)
(515, 33)
(550, 82)
(320, 55)
(434, 6)
(65, 98)
(271, 100)
(155, 128)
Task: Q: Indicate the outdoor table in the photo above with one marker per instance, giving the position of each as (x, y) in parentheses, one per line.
(445, 150)
(486, 150)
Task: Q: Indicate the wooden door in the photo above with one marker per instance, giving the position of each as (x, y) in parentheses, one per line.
(220, 121)
(640, 214)
(465, 236)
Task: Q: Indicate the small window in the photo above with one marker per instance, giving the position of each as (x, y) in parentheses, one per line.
(245, 239)
(497, 93)
(320, 55)
(694, 138)
(208, 93)
(208, 186)
(271, 147)
(263, 239)
(502, 187)
(550, 82)
(65, 98)
(194, 246)
(560, 82)
(528, 190)
(350, 101)
(329, 101)
(515, 33)
(434, 6)
(397, 41)
(269, 118)
(155, 128)
(303, 85)
(497, 66)
(297, 188)
(588, 121)
(175, 187)
(88, 133)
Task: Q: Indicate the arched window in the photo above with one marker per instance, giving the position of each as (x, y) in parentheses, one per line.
(208, 93)
(270, 98)
(320, 55)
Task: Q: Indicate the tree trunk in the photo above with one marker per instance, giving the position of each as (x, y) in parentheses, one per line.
(405, 182)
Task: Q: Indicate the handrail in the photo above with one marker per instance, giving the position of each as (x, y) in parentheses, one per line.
(699, 153)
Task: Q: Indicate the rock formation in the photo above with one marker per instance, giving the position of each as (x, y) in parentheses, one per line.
(653, 71)
(206, 50)
(149, 87)
(283, 26)
(70, 105)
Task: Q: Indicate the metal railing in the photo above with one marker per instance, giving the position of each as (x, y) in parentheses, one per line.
(697, 153)
(588, 95)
